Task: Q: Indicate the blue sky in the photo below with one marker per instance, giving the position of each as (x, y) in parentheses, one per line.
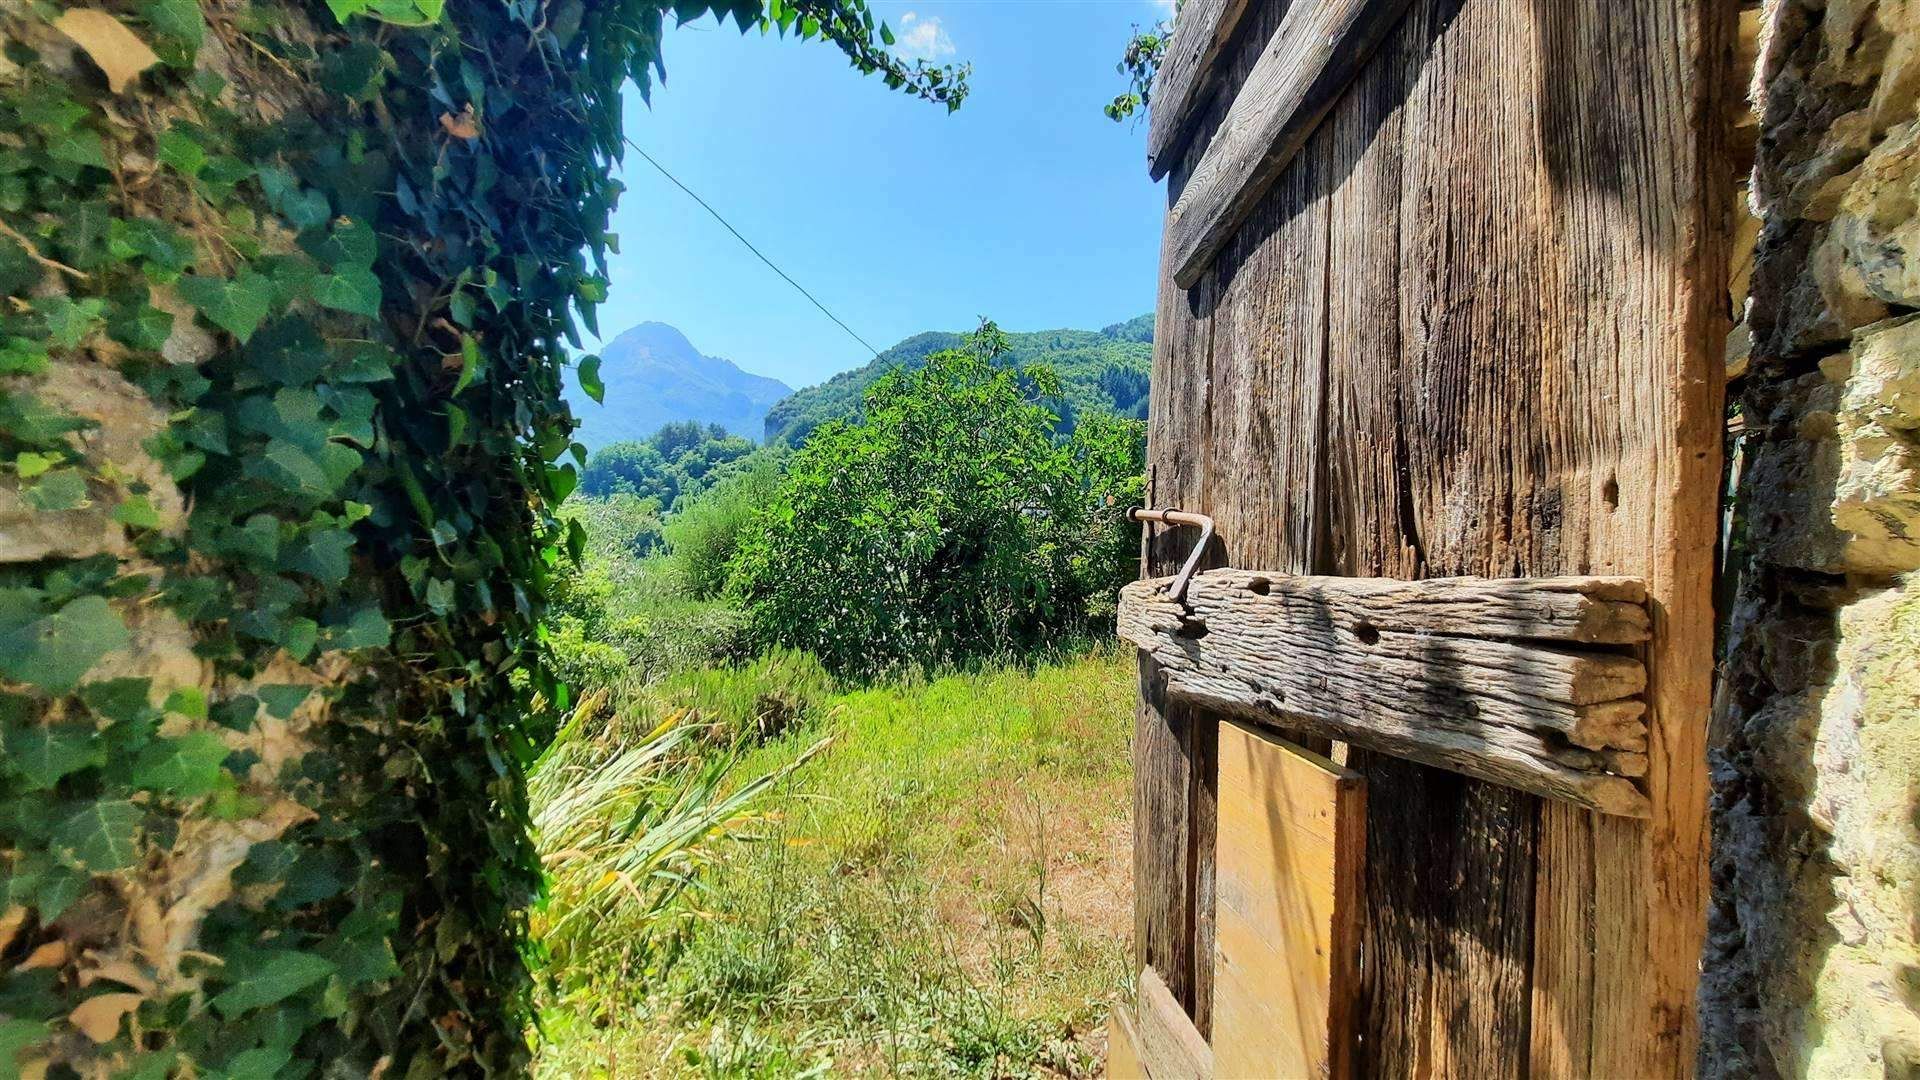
(1028, 205)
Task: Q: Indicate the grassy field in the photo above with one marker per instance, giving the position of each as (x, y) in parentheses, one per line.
(942, 890)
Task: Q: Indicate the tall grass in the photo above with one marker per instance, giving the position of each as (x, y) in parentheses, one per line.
(942, 893)
(623, 829)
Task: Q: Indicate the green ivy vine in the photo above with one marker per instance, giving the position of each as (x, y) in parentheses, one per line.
(286, 295)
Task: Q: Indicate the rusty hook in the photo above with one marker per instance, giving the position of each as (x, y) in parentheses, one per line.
(1179, 517)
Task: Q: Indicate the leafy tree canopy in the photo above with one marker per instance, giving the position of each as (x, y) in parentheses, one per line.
(950, 523)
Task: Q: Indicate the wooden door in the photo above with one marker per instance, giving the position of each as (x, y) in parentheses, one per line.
(1459, 313)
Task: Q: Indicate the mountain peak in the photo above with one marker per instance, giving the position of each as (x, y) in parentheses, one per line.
(651, 337)
(654, 375)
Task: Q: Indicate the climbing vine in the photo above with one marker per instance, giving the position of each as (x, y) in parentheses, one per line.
(286, 294)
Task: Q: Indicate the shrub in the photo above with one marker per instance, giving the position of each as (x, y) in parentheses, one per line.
(703, 536)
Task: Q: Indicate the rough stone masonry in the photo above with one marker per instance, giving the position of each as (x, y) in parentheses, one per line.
(1812, 965)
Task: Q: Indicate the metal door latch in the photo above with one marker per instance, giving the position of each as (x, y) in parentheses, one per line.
(1170, 516)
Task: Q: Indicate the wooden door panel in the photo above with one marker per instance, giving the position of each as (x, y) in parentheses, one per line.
(1287, 904)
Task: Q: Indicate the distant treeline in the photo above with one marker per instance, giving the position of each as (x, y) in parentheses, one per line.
(680, 460)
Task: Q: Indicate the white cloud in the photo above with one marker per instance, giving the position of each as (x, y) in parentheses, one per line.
(1163, 8)
(923, 39)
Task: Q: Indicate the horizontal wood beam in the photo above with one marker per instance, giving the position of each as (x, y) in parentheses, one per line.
(1508, 680)
(1317, 50)
(1200, 35)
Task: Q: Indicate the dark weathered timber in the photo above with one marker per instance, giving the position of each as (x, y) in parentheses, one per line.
(1163, 866)
(1471, 330)
(1450, 859)
(1187, 74)
(1320, 46)
(1579, 610)
(1405, 668)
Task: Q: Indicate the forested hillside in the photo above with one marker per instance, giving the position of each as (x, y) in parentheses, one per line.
(1104, 369)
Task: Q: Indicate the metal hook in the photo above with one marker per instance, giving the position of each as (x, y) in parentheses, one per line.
(1179, 517)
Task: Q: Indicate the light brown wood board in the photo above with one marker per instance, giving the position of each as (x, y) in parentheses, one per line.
(1123, 1047)
(1292, 834)
(1171, 1048)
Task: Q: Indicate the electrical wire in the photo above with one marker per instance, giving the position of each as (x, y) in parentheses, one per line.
(784, 276)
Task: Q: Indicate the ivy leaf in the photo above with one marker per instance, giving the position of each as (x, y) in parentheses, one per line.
(365, 629)
(53, 652)
(440, 595)
(346, 9)
(69, 321)
(280, 976)
(178, 19)
(188, 701)
(354, 290)
(299, 637)
(469, 362)
(237, 306)
(17, 1035)
(61, 489)
(325, 556)
(137, 512)
(180, 151)
(350, 245)
(303, 207)
(122, 701)
(282, 698)
(44, 754)
(259, 1063)
(100, 837)
(294, 468)
(590, 379)
(81, 146)
(186, 767)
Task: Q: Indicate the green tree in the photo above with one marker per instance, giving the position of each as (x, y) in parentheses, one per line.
(950, 523)
(679, 460)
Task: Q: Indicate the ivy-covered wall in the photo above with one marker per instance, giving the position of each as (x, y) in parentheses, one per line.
(286, 290)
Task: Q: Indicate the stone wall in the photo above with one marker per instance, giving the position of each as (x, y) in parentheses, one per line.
(1812, 966)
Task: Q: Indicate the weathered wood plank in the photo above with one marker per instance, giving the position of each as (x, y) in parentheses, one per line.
(1584, 610)
(1173, 838)
(1187, 76)
(1449, 858)
(1511, 712)
(1123, 1047)
(1163, 853)
(1455, 681)
(1551, 220)
(1171, 1048)
(1290, 848)
(1319, 47)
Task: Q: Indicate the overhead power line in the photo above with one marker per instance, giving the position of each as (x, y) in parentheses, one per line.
(784, 276)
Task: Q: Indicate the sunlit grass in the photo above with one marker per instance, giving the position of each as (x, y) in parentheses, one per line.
(942, 891)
